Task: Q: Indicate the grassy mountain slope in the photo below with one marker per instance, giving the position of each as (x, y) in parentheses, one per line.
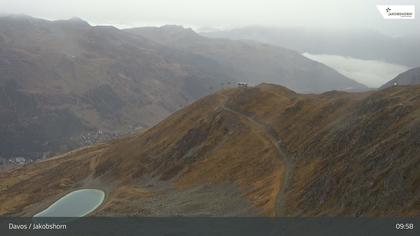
(258, 151)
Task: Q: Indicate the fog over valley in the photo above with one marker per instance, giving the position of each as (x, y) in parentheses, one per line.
(372, 73)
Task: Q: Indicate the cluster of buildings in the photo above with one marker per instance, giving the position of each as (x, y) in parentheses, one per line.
(93, 137)
(9, 163)
(19, 161)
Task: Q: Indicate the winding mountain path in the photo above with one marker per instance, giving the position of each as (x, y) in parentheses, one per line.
(284, 157)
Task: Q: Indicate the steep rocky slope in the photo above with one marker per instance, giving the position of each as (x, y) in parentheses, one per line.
(258, 151)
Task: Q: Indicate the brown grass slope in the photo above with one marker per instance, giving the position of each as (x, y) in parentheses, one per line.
(259, 151)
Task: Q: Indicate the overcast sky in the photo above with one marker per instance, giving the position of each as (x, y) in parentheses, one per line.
(356, 14)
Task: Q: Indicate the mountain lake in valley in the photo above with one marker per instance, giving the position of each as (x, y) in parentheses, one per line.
(75, 204)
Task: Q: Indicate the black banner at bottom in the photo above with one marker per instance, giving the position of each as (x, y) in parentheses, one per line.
(214, 226)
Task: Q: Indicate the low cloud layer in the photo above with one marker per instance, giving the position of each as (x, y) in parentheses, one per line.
(369, 72)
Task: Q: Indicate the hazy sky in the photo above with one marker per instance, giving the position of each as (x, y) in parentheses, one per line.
(220, 13)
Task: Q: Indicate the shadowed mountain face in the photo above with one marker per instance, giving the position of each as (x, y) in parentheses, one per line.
(65, 84)
(258, 151)
(254, 62)
(410, 77)
(364, 44)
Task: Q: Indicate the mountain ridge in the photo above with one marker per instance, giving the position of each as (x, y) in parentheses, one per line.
(352, 154)
(280, 65)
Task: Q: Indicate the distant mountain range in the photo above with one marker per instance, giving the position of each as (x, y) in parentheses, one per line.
(264, 151)
(367, 44)
(410, 77)
(65, 84)
(254, 62)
